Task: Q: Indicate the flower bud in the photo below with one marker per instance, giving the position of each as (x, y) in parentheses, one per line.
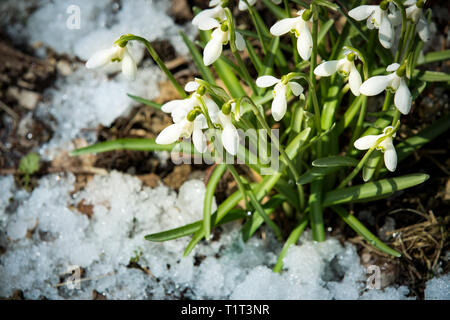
(226, 108)
(384, 5)
(201, 90)
(307, 14)
(401, 71)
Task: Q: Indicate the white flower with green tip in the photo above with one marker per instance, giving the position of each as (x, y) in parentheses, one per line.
(279, 103)
(386, 146)
(382, 17)
(114, 54)
(395, 82)
(345, 66)
(229, 136)
(298, 25)
(414, 12)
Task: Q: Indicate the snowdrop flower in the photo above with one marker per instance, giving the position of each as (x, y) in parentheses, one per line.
(414, 12)
(395, 82)
(219, 37)
(230, 136)
(243, 6)
(114, 54)
(345, 66)
(386, 146)
(279, 103)
(187, 118)
(204, 18)
(299, 26)
(383, 17)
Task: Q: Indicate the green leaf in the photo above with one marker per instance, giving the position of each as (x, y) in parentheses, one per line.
(315, 173)
(373, 189)
(256, 220)
(436, 56)
(361, 230)
(335, 161)
(432, 76)
(234, 214)
(198, 59)
(139, 144)
(371, 165)
(326, 4)
(292, 239)
(30, 163)
(324, 28)
(209, 194)
(145, 101)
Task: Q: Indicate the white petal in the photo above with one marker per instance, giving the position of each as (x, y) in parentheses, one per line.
(191, 86)
(172, 105)
(230, 139)
(169, 135)
(326, 69)
(409, 2)
(366, 142)
(392, 67)
(304, 43)
(212, 107)
(354, 80)
(212, 51)
(423, 29)
(390, 156)
(386, 32)
(283, 26)
(402, 98)
(240, 42)
(374, 85)
(279, 103)
(214, 3)
(266, 81)
(242, 5)
(129, 68)
(361, 12)
(101, 58)
(199, 139)
(208, 24)
(296, 88)
(206, 14)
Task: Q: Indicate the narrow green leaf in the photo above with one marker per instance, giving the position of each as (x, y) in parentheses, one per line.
(292, 239)
(139, 144)
(145, 101)
(436, 56)
(371, 165)
(209, 194)
(373, 189)
(234, 214)
(361, 230)
(335, 161)
(432, 76)
(316, 173)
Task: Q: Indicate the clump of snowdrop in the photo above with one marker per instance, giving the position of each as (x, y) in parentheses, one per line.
(298, 25)
(383, 17)
(188, 118)
(345, 66)
(117, 53)
(415, 13)
(279, 103)
(394, 82)
(382, 142)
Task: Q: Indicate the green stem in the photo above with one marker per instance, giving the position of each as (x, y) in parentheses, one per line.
(156, 58)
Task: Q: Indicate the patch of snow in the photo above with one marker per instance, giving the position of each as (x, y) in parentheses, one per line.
(46, 236)
(438, 288)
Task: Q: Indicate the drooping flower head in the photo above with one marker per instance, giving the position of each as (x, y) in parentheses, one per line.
(383, 17)
(215, 19)
(298, 25)
(229, 136)
(345, 66)
(188, 118)
(394, 82)
(386, 146)
(243, 6)
(118, 54)
(279, 103)
(414, 12)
